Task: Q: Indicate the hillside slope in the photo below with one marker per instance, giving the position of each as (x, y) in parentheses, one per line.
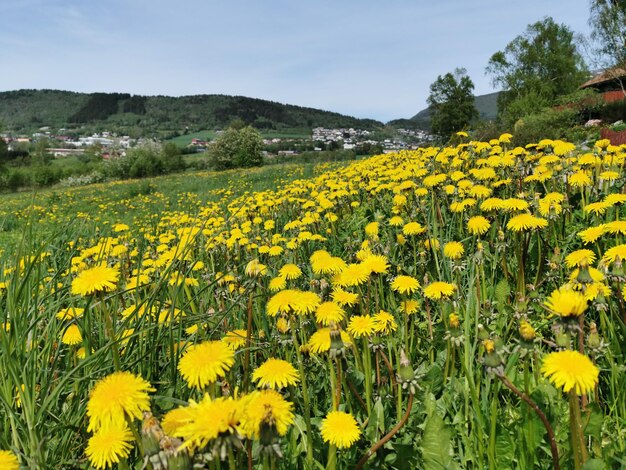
(28, 110)
(487, 106)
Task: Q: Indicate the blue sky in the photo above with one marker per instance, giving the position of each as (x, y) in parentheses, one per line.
(366, 58)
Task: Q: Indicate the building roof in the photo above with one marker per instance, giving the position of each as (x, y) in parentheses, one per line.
(606, 76)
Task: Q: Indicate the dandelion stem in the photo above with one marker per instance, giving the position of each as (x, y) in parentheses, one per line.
(372, 450)
(553, 448)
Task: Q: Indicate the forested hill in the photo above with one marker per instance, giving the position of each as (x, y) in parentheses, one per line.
(28, 110)
(486, 105)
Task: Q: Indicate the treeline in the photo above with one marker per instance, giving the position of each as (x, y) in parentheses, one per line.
(28, 110)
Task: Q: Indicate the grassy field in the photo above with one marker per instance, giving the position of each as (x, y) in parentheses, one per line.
(458, 307)
(296, 133)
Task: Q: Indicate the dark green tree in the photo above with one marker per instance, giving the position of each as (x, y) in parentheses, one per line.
(535, 68)
(451, 102)
(237, 148)
(4, 150)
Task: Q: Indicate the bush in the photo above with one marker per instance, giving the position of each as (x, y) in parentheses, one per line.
(548, 124)
(82, 180)
(237, 148)
(45, 175)
(147, 160)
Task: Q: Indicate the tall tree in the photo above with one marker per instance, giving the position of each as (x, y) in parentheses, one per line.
(608, 30)
(451, 101)
(535, 68)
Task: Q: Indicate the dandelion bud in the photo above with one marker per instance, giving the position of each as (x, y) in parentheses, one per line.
(584, 277)
(489, 345)
(562, 339)
(618, 269)
(283, 325)
(405, 372)
(593, 339)
(337, 348)
(453, 318)
(151, 434)
(482, 333)
(526, 331)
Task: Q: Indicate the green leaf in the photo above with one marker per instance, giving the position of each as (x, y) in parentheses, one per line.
(594, 464)
(505, 450)
(502, 292)
(436, 446)
(592, 421)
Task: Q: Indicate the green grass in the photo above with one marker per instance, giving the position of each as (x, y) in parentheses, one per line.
(185, 140)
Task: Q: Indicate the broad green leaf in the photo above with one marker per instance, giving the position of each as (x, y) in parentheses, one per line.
(436, 446)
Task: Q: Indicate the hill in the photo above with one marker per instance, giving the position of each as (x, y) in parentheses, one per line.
(163, 116)
(487, 106)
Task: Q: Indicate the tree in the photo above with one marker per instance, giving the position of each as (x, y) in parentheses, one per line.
(608, 30)
(535, 68)
(237, 148)
(451, 101)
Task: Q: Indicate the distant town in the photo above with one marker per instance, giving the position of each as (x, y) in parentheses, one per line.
(109, 144)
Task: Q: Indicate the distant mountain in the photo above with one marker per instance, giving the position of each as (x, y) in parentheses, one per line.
(487, 106)
(29, 110)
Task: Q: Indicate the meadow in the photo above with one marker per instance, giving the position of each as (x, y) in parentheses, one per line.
(450, 307)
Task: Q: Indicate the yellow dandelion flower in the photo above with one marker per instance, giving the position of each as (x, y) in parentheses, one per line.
(8, 460)
(319, 341)
(276, 374)
(340, 429)
(72, 336)
(176, 418)
(409, 306)
(235, 339)
(290, 272)
(405, 284)
(570, 369)
(614, 254)
(329, 312)
(354, 274)
(361, 325)
(526, 331)
(116, 396)
(202, 364)
(396, 221)
(566, 302)
(526, 221)
(591, 234)
(70, 313)
(413, 228)
(615, 198)
(371, 230)
(438, 290)
(384, 322)
(292, 300)
(377, 264)
(265, 407)
(343, 297)
(282, 324)
(580, 179)
(208, 419)
(514, 204)
(276, 284)
(97, 279)
(478, 225)
(597, 208)
(616, 227)
(580, 258)
(108, 445)
(323, 263)
(453, 250)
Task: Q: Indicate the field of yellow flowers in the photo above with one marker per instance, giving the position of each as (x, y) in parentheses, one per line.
(455, 307)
